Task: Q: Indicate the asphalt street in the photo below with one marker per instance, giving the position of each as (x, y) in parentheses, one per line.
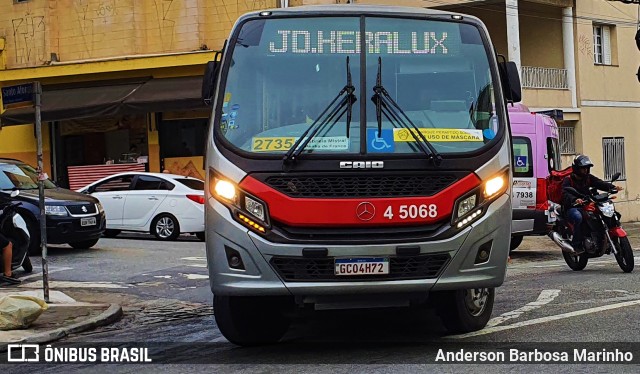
(164, 290)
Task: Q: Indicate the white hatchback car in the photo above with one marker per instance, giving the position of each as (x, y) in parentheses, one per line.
(165, 205)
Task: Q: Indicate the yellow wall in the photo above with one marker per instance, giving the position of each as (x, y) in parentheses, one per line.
(541, 35)
(90, 29)
(612, 83)
(19, 142)
(543, 98)
(609, 122)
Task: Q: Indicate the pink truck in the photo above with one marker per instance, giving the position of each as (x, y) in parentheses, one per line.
(536, 152)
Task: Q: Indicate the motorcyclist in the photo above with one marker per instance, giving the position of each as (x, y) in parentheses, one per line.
(580, 179)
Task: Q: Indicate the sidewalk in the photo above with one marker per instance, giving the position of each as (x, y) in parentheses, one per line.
(63, 317)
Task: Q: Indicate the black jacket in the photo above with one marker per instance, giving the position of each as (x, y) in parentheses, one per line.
(583, 185)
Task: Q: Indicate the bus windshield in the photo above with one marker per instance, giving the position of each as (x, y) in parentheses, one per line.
(285, 73)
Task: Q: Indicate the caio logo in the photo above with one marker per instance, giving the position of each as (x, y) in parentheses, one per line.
(361, 164)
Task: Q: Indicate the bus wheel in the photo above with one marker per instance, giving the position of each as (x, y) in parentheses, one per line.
(252, 321)
(464, 311)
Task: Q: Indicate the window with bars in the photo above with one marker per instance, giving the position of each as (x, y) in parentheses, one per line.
(613, 157)
(567, 140)
(602, 44)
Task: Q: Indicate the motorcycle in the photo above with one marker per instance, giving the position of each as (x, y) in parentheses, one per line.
(13, 226)
(603, 232)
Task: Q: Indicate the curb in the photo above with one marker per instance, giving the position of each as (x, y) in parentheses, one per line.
(111, 315)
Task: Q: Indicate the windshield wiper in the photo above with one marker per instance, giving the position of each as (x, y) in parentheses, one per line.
(331, 114)
(385, 105)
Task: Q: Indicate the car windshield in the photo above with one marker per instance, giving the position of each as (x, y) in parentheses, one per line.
(194, 184)
(20, 176)
(285, 73)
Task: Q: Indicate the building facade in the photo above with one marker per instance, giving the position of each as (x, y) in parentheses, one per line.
(578, 56)
(121, 81)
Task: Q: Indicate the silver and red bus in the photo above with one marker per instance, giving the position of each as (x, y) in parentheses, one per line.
(358, 156)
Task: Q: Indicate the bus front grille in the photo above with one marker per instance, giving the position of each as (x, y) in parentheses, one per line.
(361, 186)
(423, 266)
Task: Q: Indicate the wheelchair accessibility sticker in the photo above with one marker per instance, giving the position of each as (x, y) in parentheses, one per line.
(380, 144)
(521, 161)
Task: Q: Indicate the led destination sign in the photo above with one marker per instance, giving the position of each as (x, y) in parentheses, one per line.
(349, 42)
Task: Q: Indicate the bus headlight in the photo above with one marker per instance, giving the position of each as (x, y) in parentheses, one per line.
(225, 189)
(494, 186)
(466, 205)
(471, 207)
(254, 207)
(247, 209)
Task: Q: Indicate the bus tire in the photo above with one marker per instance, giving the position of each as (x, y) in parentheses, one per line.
(467, 310)
(252, 321)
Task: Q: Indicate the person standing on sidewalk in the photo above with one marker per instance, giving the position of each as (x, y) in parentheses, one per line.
(7, 256)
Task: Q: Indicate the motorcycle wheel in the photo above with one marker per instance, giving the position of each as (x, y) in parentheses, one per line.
(625, 254)
(576, 263)
(26, 265)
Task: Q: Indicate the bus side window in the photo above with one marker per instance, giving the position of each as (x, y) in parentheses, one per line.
(553, 159)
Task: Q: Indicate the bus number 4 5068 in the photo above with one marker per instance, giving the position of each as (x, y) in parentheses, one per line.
(413, 211)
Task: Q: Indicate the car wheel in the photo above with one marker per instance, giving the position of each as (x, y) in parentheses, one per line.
(201, 236)
(165, 227)
(84, 244)
(467, 310)
(111, 233)
(251, 321)
(26, 265)
(516, 240)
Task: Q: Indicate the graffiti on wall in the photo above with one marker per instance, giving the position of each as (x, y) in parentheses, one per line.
(585, 45)
(91, 16)
(166, 23)
(29, 36)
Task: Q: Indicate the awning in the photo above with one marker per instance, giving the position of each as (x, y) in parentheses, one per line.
(155, 95)
(166, 94)
(73, 103)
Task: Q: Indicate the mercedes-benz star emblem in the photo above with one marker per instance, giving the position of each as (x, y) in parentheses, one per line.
(365, 211)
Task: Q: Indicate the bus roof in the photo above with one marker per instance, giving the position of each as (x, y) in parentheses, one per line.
(357, 10)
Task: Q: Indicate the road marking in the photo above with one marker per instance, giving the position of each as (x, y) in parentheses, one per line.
(536, 321)
(197, 265)
(163, 276)
(39, 275)
(195, 276)
(194, 258)
(72, 284)
(545, 297)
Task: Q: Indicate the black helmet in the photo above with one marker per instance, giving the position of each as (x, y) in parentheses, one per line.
(582, 161)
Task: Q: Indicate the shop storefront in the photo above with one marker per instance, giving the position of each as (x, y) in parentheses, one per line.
(182, 138)
(101, 128)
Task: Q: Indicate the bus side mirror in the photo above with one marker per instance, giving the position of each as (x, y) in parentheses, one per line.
(510, 81)
(209, 81)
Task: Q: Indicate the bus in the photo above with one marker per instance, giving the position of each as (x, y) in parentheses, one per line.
(357, 157)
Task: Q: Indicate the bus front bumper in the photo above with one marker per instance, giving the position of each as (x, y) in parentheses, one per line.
(262, 276)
